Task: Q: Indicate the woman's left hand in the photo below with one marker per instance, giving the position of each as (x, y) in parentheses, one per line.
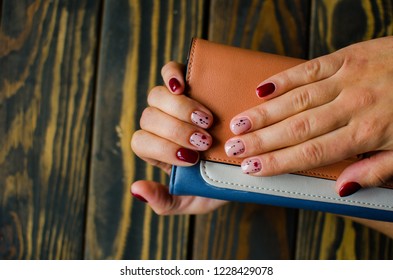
(324, 111)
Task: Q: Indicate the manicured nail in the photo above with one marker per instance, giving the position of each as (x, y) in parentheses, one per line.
(174, 84)
(201, 119)
(139, 197)
(251, 166)
(349, 188)
(201, 141)
(187, 155)
(240, 125)
(265, 89)
(234, 147)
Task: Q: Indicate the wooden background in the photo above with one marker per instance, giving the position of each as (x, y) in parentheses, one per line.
(74, 76)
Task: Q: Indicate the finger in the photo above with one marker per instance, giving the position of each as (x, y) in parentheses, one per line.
(375, 171)
(326, 149)
(165, 126)
(289, 132)
(180, 106)
(173, 75)
(163, 203)
(308, 72)
(147, 145)
(282, 107)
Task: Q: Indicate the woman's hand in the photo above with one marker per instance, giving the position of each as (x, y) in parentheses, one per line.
(323, 111)
(172, 132)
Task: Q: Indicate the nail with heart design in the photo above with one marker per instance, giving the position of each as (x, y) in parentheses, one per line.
(251, 166)
(201, 141)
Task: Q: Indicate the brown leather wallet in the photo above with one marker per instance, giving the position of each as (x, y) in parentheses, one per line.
(227, 96)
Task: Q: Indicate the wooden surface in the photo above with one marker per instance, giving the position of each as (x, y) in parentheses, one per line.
(48, 63)
(74, 76)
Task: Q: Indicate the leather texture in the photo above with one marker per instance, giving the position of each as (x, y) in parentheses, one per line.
(226, 182)
(224, 79)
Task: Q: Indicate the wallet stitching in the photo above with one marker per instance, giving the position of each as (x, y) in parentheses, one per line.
(191, 60)
(294, 193)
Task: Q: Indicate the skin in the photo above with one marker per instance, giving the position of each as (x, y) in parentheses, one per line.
(336, 106)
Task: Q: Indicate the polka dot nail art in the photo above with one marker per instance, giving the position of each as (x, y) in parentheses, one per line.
(251, 166)
(200, 141)
(234, 147)
(240, 125)
(200, 119)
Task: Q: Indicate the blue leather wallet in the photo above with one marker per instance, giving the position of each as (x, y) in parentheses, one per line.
(224, 79)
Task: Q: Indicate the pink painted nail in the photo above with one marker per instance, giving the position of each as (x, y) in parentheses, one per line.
(201, 119)
(201, 141)
(251, 166)
(234, 147)
(265, 89)
(240, 125)
(174, 84)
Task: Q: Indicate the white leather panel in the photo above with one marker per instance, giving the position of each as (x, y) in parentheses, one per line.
(293, 186)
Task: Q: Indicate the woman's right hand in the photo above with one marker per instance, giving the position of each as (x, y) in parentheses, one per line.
(173, 130)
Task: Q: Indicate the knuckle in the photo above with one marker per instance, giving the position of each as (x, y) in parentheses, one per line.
(312, 69)
(302, 100)
(136, 140)
(153, 95)
(365, 99)
(261, 114)
(312, 152)
(270, 165)
(147, 117)
(299, 129)
(254, 143)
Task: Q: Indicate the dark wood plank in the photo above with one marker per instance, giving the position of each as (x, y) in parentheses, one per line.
(138, 38)
(47, 64)
(336, 24)
(246, 231)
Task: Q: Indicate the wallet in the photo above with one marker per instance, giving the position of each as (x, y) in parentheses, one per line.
(224, 79)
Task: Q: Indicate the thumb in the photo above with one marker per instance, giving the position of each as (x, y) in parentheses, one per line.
(163, 203)
(374, 171)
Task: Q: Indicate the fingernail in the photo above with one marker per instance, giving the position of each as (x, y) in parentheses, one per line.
(139, 197)
(234, 147)
(187, 155)
(265, 89)
(201, 141)
(348, 189)
(251, 166)
(240, 125)
(174, 84)
(201, 119)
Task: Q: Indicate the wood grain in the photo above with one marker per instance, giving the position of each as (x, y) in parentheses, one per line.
(47, 62)
(336, 24)
(246, 231)
(138, 38)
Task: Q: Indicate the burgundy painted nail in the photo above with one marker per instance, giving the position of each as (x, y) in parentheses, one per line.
(234, 147)
(251, 166)
(139, 197)
(187, 155)
(265, 89)
(349, 188)
(174, 84)
(240, 125)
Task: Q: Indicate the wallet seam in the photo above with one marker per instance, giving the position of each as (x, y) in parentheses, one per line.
(292, 192)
